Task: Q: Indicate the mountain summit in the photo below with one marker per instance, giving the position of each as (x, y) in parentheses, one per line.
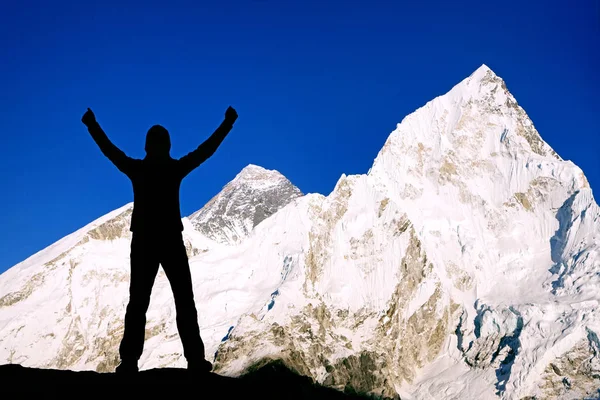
(464, 265)
(253, 195)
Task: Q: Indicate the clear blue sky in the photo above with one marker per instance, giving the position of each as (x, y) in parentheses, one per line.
(318, 87)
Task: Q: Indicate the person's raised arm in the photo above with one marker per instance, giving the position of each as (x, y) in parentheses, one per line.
(193, 159)
(112, 152)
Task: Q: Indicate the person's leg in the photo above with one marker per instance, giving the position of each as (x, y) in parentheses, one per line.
(144, 267)
(176, 266)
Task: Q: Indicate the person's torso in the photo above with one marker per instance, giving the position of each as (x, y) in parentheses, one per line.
(156, 187)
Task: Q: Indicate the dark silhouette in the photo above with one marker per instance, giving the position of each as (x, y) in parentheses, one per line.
(273, 381)
(157, 238)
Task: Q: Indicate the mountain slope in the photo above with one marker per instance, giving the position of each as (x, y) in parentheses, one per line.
(464, 264)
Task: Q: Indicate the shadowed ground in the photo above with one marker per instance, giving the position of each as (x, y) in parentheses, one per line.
(273, 381)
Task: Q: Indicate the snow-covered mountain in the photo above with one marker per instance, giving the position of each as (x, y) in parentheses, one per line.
(464, 265)
(254, 195)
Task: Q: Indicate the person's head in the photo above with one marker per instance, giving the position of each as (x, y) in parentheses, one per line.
(158, 141)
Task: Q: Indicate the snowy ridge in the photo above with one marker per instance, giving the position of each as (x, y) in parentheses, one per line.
(464, 265)
(20, 270)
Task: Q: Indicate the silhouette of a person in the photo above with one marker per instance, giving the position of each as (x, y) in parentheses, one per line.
(157, 235)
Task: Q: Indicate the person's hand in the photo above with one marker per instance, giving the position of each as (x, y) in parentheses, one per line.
(231, 115)
(88, 118)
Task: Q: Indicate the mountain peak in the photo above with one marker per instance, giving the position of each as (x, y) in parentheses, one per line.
(483, 69)
(482, 73)
(253, 168)
(478, 118)
(481, 81)
(253, 195)
(257, 174)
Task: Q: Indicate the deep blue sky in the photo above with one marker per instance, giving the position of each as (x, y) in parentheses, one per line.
(318, 87)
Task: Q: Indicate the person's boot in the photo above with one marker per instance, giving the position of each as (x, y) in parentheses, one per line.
(201, 366)
(127, 367)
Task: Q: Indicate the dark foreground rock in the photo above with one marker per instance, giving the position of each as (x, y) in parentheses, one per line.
(270, 382)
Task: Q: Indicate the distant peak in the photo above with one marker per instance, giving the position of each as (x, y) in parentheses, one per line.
(256, 172)
(250, 168)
